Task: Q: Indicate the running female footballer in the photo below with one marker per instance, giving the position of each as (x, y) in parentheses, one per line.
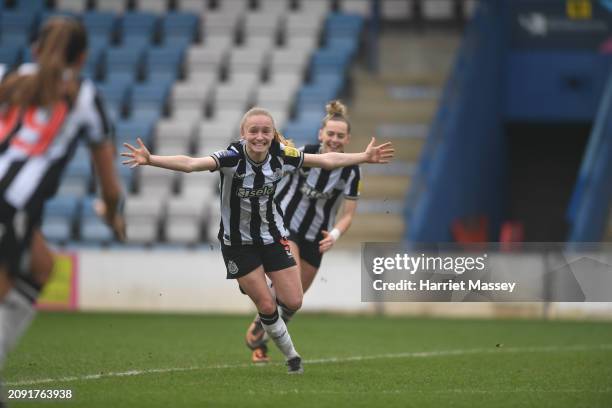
(45, 109)
(252, 233)
(310, 199)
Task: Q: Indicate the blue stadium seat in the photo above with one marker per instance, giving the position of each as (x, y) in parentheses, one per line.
(139, 25)
(14, 22)
(302, 132)
(141, 42)
(124, 59)
(118, 78)
(330, 60)
(17, 27)
(128, 130)
(343, 44)
(45, 15)
(151, 95)
(311, 96)
(115, 94)
(98, 41)
(148, 114)
(102, 24)
(60, 215)
(26, 55)
(165, 77)
(334, 81)
(10, 56)
(78, 174)
(95, 59)
(164, 60)
(179, 26)
(91, 227)
(15, 39)
(126, 174)
(311, 115)
(61, 206)
(30, 5)
(343, 25)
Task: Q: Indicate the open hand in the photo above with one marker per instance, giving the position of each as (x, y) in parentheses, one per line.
(379, 154)
(138, 157)
(326, 243)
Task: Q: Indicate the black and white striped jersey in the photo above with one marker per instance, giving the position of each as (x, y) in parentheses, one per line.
(37, 143)
(249, 213)
(310, 197)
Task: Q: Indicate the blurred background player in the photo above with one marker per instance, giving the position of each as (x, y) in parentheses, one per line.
(45, 110)
(252, 231)
(310, 200)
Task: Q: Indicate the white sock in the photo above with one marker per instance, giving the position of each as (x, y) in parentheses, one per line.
(285, 313)
(16, 314)
(277, 330)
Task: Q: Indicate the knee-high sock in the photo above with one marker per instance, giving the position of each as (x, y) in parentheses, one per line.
(277, 330)
(266, 337)
(285, 313)
(16, 313)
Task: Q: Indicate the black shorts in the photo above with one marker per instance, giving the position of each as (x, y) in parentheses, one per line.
(309, 250)
(242, 259)
(16, 230)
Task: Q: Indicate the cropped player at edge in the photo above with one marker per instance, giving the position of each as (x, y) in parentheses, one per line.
(310, 200)
(45, 109)
(252, 232)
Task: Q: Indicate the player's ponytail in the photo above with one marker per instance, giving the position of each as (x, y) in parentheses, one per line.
(60, 44)
(281, 139)
(336, 110)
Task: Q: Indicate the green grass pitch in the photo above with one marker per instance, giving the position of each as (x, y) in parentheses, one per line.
(127, 360)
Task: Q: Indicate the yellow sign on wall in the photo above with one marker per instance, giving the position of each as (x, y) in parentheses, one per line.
(579, 9)
(60, 293)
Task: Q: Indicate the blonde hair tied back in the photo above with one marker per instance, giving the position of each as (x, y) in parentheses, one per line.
(336, 110)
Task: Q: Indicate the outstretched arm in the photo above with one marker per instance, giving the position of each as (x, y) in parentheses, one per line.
(373, 154)
(141, 157)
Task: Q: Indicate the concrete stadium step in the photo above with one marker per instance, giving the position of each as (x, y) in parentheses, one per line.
(393, 111)
(406, 150)
(396, 78)
(397, 104)
(395, 91)
(385, 187)
(429, 52)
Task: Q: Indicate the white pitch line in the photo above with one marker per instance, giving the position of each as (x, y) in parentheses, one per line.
(411, 391)
(413, 354)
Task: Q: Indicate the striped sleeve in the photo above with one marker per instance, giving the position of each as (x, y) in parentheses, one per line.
(291, 169)
(226, 158)
(292, 158)
(352, 188)
(98, 125)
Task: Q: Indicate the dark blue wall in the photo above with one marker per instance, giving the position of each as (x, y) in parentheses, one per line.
(554, 86)
(520, 61)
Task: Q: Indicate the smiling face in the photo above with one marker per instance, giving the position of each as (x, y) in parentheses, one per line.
(258, 132)
(334, 136)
